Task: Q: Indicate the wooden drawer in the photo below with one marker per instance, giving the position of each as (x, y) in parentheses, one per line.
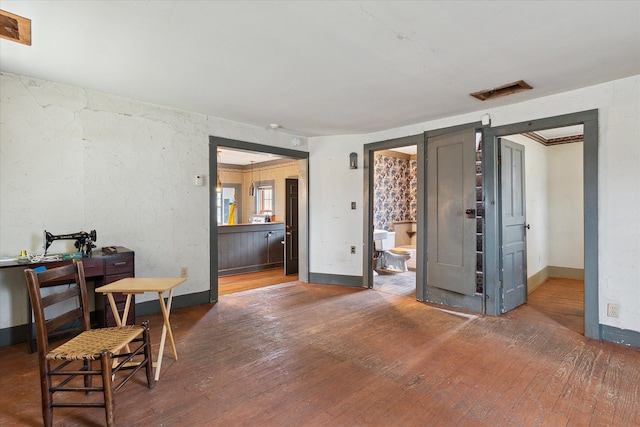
(119, 265)
(92, 267)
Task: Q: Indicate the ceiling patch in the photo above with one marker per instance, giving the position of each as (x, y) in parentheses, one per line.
(15, 28)
(503, 90)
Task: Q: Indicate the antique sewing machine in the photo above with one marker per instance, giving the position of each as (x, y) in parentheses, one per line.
(84, 241)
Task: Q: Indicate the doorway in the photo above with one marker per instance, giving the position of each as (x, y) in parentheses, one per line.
(394, 215)
(491, 298)
(554, 230)
(494, 294)
(401, 216)
(274, 243)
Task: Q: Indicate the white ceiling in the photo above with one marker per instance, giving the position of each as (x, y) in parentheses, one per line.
(326, 68)
(231, 156)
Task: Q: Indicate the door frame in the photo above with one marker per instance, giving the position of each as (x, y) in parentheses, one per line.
(369, 157)
(589, 119)
(303, 204)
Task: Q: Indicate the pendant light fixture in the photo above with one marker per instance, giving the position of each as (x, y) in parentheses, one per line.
(218, 183)
(252, 187)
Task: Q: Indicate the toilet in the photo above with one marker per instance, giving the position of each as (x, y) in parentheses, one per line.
(390, 259)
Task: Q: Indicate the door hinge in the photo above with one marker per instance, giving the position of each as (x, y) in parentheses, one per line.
(500, 284)
(499, 160)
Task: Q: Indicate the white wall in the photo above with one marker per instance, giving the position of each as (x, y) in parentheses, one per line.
(566, 205)
(333, 227)
(73, 159)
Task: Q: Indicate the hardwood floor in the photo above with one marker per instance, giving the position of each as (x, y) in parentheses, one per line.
(562, 300)
(244, 282)
(403, 284)
(298, 354)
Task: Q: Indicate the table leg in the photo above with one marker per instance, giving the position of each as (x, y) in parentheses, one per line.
(114, 309)
(166, 328)
(127, 304)
(116, 316)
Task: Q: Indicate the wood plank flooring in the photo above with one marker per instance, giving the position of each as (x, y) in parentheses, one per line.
(562, 300)
(260, 279)
(298, 354)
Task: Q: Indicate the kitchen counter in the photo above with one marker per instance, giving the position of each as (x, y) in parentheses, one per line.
(244, 248)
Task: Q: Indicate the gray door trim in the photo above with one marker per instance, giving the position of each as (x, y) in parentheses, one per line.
(303, 182)
(490, 179)
(368, 157)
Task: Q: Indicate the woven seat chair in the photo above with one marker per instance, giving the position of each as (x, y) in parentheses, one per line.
(110, 348)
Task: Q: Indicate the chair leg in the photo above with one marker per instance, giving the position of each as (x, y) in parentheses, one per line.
(109, 401)
(147, 354)
(47, 395)
(88, 378)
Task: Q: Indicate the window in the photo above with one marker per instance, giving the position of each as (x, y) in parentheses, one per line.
(265, 198)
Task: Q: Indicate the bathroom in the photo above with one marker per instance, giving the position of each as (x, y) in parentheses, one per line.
(394, 211)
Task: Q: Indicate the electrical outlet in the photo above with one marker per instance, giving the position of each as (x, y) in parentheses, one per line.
(184, 272)
(613, 310)
(353, 250)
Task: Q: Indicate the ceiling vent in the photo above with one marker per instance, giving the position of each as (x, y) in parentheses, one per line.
(503, 90)
(15, 28)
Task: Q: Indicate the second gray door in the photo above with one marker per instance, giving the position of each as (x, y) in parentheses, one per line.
(451, 202)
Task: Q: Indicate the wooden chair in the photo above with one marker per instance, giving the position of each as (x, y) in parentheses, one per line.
(110, 346)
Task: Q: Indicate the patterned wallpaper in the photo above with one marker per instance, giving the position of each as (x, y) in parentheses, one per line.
(394, 190)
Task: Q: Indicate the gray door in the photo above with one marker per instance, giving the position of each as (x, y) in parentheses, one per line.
(451, 224)
(513, 247)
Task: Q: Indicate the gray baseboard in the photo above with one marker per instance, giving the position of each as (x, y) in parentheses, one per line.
(620, 336)
(336, 279)
(13, 335)
(553, 271)
(566, 272)
(180, 301)
(18, 334)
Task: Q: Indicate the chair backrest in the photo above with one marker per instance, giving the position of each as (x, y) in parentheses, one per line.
(62, 309)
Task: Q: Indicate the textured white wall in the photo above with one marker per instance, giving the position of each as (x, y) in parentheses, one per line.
(74, 159)
(566, 205)
(334, 226)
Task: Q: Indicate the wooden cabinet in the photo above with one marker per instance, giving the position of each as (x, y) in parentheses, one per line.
(245, 248)
(116, 267)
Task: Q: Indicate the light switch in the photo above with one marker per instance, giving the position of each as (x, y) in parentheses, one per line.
(199, 181)
(353, 205)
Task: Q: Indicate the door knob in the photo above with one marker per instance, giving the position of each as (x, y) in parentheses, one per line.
(471, 213)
